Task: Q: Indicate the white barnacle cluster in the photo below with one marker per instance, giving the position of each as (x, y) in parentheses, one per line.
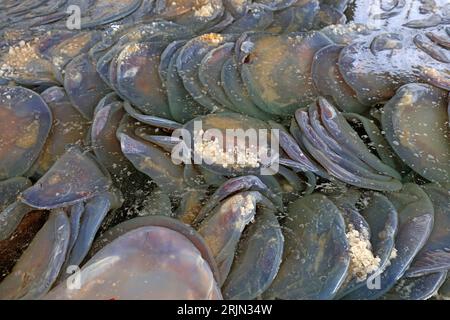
(213, 38)
(244, 204)
(205, 11)
(362, 260)
(212, 151)
(17, 58)
(392, 256)
(240, 209)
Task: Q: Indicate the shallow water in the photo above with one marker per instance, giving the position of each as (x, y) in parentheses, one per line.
(395, 13)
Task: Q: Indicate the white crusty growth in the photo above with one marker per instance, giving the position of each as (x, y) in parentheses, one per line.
(17, 58)
(362, 260)
(206, 10)
(238, 156)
